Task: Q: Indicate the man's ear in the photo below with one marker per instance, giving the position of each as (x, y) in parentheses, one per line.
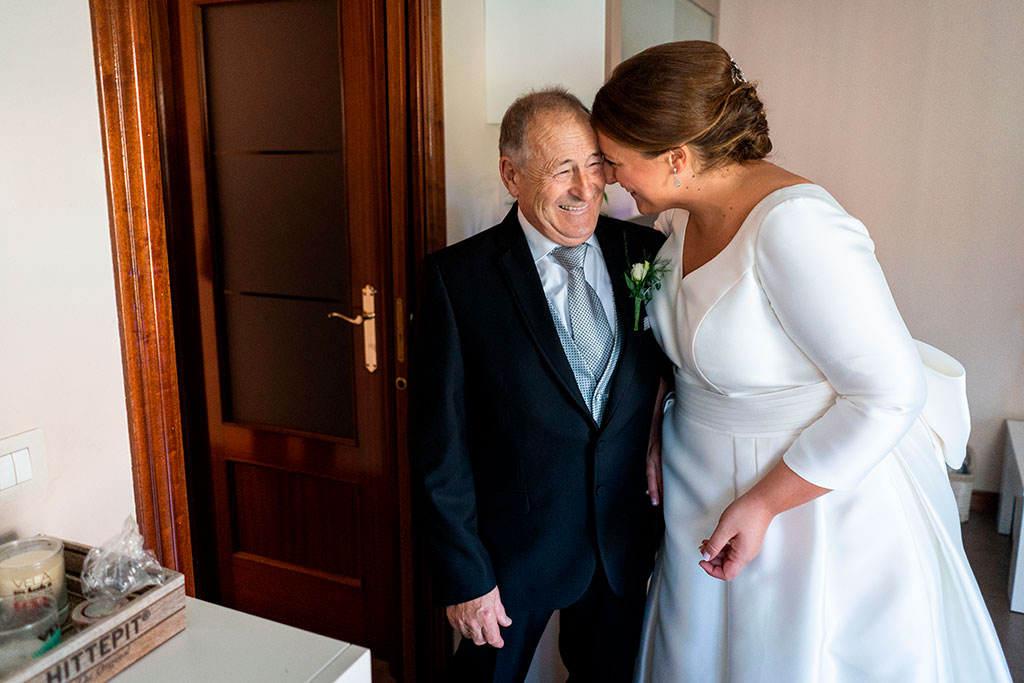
(509, 175)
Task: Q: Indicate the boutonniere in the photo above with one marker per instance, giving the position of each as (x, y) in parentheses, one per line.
(643, 278)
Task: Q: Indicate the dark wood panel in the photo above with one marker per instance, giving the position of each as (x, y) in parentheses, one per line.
(125, 71)
(294, 452)
(306, 601)
(300, 519)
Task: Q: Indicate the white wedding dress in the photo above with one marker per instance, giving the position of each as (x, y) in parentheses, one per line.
(788, 345)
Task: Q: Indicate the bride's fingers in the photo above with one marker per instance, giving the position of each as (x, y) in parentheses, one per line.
(722, 558)
(657, 473)
(653, 480)
(725, 566)
(713, 570)
(732, 567)
(718, 542)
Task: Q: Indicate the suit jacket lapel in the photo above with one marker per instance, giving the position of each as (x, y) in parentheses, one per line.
(520, 272)
(613, 248)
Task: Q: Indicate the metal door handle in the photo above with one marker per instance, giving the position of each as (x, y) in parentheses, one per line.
(358, 320)
(368, 321)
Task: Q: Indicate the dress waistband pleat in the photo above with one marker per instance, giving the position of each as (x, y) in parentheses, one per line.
(785, 411)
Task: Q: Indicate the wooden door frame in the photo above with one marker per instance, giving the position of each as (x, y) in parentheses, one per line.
(128, 120)
(131, 83)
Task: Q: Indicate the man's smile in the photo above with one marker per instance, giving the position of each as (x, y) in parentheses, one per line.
(573, 209)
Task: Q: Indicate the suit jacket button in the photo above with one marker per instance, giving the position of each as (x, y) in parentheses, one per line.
(601, 490)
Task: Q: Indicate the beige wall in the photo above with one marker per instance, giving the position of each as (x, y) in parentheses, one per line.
(60, 360)
(910, 114)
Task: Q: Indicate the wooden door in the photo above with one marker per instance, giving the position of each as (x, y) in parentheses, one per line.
(286, 132)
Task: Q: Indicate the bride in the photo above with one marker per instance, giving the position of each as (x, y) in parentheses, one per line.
(811, 534)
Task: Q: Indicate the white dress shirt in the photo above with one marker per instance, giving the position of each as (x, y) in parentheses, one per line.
(555, 278)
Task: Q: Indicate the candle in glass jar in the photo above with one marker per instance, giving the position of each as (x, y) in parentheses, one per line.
(34, 564)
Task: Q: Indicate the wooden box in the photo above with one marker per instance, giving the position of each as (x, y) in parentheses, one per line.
(99, 651)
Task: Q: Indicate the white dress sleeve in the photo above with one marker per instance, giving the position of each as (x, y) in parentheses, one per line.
(670, 221)
(817, 266)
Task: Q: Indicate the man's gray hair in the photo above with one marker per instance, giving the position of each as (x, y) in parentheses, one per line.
(519, 115)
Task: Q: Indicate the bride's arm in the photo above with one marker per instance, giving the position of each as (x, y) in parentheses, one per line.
(737, 538)
(818, 270)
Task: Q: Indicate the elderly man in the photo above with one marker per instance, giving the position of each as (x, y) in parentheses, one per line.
(533, 400)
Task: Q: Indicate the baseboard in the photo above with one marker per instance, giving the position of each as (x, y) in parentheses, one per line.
(985, 502)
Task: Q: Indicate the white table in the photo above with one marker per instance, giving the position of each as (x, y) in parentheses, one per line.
(1011, 500)
(221, 644)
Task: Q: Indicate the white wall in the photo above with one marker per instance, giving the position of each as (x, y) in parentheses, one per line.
(911, 114)
(476, 199)
(60, 359)
(523, 53)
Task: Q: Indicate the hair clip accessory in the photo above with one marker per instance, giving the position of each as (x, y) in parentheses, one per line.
(737, 73)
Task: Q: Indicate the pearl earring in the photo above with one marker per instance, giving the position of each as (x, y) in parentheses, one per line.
(674, 171)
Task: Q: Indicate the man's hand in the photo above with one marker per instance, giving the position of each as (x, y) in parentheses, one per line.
(479, 619)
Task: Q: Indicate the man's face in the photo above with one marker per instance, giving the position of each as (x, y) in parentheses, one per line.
(560, 183)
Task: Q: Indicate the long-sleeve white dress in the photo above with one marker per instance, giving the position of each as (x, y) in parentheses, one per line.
(788, 345)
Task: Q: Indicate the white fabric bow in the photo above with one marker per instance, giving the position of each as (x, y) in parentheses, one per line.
(945, 411)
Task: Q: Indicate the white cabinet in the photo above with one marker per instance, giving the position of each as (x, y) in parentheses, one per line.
(221, 644)
(1011, 497)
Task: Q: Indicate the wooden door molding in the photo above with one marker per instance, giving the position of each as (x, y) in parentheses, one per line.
(416, 132)
(428, 233)
(125, 79)
(427, 105)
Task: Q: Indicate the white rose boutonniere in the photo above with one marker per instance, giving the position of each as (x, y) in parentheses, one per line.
(643, 278)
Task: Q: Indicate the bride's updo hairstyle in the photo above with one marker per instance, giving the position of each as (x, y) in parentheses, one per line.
(688, 92)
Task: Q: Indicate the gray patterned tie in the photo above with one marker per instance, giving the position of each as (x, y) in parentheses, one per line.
(590, 329)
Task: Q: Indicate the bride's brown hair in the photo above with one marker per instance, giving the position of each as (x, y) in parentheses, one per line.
(688, 92)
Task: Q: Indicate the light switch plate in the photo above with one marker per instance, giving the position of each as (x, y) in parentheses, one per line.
(7, 479)
(26, 453)
(22, 465)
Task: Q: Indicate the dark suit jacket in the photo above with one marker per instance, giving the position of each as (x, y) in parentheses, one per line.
(518, 486)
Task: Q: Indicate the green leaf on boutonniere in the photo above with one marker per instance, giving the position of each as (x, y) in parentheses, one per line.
(643, 278)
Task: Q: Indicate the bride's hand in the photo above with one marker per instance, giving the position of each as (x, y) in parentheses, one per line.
(654, 487)
(737, 538)
(654, 470)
